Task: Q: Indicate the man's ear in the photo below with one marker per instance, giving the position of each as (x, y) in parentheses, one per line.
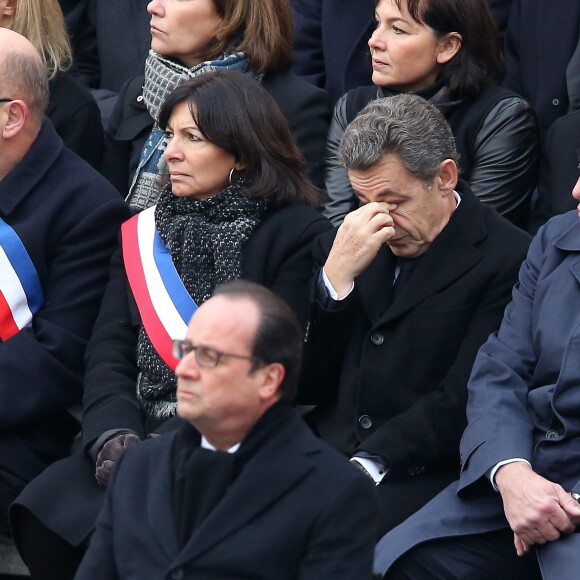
(447, 176)
(15, 119)
(273, 375)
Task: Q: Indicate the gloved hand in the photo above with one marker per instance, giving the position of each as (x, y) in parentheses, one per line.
(110, 452)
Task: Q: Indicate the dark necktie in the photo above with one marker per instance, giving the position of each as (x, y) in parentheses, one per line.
(406, 266)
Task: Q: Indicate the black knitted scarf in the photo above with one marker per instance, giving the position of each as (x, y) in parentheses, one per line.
(205, 240)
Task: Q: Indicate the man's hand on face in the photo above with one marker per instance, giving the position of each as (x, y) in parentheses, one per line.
(537, 510)
(357, 242)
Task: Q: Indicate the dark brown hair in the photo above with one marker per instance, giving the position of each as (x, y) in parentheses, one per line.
(479, 61)
(233, 111)
(278, 338)
(261, 28)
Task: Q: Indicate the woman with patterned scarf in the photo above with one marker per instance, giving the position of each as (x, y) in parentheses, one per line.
(189, 39)
(236, 204)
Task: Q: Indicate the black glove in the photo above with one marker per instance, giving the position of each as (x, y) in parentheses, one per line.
(110, 452)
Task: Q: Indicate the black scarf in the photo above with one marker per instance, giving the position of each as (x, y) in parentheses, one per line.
(205, 240)
(202, 477)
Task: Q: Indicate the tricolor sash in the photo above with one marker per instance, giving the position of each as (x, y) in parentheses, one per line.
(20, 290)
(164, 304)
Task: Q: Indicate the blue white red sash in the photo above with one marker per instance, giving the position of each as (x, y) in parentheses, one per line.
(20, 290)
(164, 304)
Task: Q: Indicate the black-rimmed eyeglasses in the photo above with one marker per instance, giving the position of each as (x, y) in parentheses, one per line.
(206, 356)
(6, 100)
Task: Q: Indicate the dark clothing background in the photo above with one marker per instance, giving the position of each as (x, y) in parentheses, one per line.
(558, 170)
(111, 39)
(541, 37)
(76, 117)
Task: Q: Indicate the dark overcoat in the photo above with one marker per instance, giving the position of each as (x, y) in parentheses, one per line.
(297, 510)
(67, 216)
(391, 379)
(524, 402)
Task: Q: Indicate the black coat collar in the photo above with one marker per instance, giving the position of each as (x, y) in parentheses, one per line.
(32, 168)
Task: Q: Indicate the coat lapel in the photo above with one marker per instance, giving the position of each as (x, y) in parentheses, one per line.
(268, 476)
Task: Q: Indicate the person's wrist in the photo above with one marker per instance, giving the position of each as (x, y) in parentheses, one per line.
(339, 279)
(508, 471)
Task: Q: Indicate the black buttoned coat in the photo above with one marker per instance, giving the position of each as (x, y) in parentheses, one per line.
(391, 379)
(297, 510)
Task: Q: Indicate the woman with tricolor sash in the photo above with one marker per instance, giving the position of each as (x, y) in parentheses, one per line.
(235, 204)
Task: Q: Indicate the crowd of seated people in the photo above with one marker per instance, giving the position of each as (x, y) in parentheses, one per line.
(152, 151)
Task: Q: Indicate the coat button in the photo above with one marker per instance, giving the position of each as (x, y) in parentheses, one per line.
(556, 102)
(365, 421)
(377, 339)
(177, 574)
(139, 98)
(552, 435)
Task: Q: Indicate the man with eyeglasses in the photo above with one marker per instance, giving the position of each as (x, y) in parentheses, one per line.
(241, 488)
(58, 228)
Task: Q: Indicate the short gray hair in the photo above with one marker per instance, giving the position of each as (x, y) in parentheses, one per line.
(25, 77)
(404, 125)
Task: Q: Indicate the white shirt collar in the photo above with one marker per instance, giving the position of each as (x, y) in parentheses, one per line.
(207, 445)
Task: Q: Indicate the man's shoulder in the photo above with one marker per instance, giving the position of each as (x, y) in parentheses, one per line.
(488, 228)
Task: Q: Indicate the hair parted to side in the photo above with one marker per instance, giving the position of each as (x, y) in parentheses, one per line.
(233, 111)
(24, 77)
(42, 22)
(479, 61)
(261, 28)
(278, 338)
(404, 125)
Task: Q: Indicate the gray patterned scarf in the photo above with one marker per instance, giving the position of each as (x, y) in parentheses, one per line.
(162, 75)
(205, 240)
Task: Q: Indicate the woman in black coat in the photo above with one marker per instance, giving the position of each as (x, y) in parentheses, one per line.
(192, 38)
(71, 108)
(447, 52)
(236, 205)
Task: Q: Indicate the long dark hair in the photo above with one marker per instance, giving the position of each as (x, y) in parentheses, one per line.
(479, 61)
(233, 111)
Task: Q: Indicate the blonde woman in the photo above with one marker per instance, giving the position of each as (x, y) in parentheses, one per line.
(72, 109)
